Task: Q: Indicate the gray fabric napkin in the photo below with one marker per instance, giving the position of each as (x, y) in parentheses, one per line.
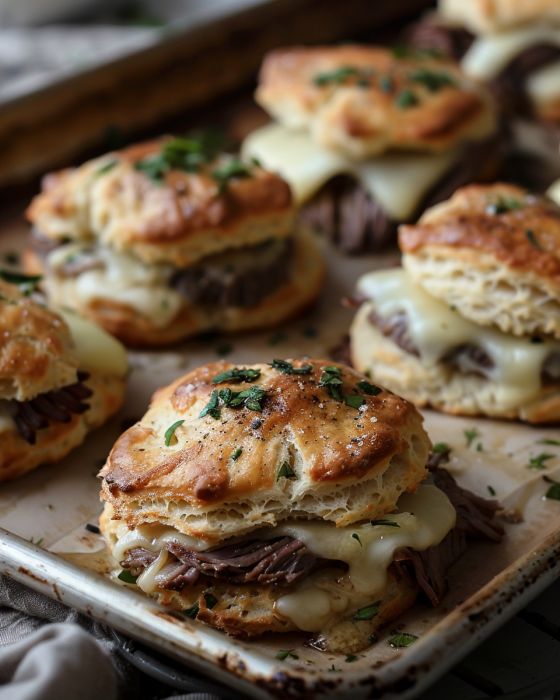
(49, 652)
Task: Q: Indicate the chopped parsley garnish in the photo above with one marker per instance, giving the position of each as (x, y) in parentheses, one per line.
(127, 577)
(192, 612)
(29, 281)
(441, 448)
(185, 153)
(550, 441)
(384, 521)
(491, 490)
(367, 613)
(170, 432)
(470, 434)
(332, 381)
(237, 374)
(538, 462)
(210, 600)
(386, 83)
(250, 398)
(533, 240)
(354, 400)
(106, 167)
(350, 658)
(356, 537)
(285, 472)
(234, 168)
(287, 367)
(402, 639)
(212, 408)
(338, 76)
(553, 491)
(367, 388)
(406, 99)
(284, 654)
(236, 454)
(432, 80)
(479, 447)
(503, 204)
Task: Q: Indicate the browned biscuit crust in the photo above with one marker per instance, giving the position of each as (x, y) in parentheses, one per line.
(364, 100)
(482, 16)
(349, 464)
(180, 219)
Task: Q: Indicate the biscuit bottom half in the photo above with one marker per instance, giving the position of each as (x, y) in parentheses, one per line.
(145, 309)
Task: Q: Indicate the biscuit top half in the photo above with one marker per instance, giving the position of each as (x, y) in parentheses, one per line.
(365, 100)
(173, 200)
(225, 449)
(36, 347)
(506, 222)
(493, 16)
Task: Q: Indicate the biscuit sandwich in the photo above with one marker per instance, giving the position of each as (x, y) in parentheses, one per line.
(283, 497)
(60, 377)
(367, 136)
(169, 239)
(513, 45)
(471, 323)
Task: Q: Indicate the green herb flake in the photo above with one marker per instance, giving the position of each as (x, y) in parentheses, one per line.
(332, 381)
(367, 613)
(470, 435)
(350, 658)
(491, 490)
(285, 472)
(538, 462)
(479, 447)
(533, 240)
(170, 432)
(503, 205)
(406, 99)
(402, 639)
(106, 167)
(233, 169)
(127, 577)
(19, 278)
(338, 76)
(549, 441)
(287, 367)
(192, 612)
(210, 600)
(356, 537)
(441, 448)
(367, 388)
(284, 654)
(432, 80)
(212, 408)
(386, 83)
(236, 454)
(385, 522)
(553, 492)
(354, 400)
(237, 374)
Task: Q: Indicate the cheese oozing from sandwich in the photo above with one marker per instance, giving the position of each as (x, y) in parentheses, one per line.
(436, 330)
(424, 518)
(398, 181)
(543, 85)
(489, 54)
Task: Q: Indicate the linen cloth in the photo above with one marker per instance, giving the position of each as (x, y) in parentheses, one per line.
(49, 652)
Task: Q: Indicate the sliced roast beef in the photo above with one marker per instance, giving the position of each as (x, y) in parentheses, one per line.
(56, 406)
(239, 278)
(395, 327)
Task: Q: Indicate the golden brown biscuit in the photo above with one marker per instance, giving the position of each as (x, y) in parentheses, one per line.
(61, 377)
(165, 317)
(364, 100)
(195, 486)
(489, 16)
(493, 253)
(137, 200)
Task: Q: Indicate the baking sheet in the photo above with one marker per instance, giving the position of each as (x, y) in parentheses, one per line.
(52, 505)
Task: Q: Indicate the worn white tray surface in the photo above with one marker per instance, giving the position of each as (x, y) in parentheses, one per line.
(489, 585)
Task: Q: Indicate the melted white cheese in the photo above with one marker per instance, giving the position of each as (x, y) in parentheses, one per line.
(554, 192)
(435, 330)
(122, 279)
(489, 54)
(543, 85)
(95, 349)
(398, 181)
(424, 519)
